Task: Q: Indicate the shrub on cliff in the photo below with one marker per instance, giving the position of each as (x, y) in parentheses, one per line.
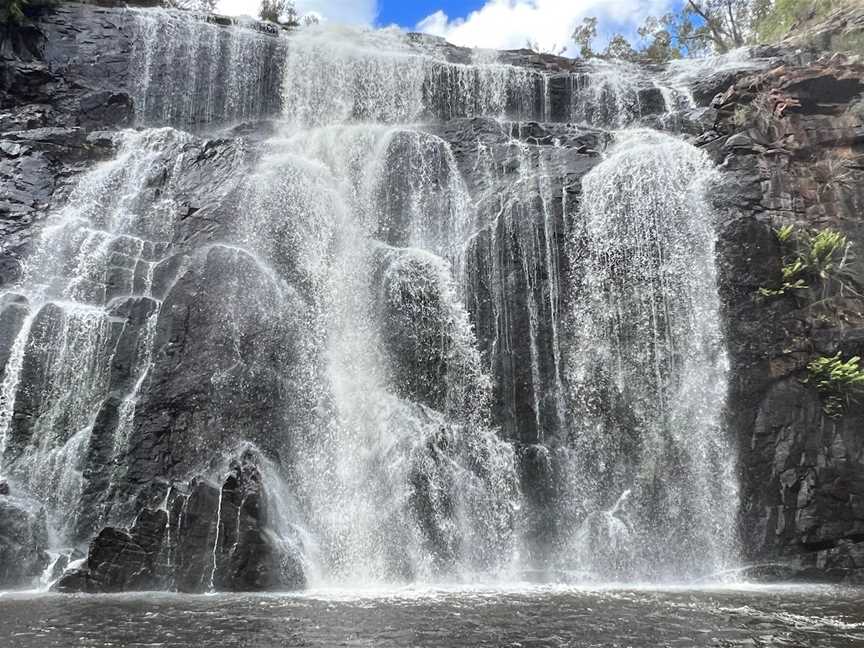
(784, 15)
(812, 257)
(15, 12)
(837, 381)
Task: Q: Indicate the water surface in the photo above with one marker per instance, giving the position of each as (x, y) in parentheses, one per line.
(526, 617)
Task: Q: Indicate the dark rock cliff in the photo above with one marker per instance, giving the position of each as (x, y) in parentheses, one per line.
(789, 142)
(791, 145)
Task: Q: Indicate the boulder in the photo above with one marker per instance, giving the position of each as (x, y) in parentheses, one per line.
(205, 538)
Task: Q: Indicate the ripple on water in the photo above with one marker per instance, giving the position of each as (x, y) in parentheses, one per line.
(477, 617)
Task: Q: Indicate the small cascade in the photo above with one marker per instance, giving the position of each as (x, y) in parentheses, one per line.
(93, 257)
(514, 276)
(11, 378)
(190, 72)
(211, 587)
(608, 94)
(142, 364)
(421, 194)
(382, 77)
(682, 74)
(605, 539)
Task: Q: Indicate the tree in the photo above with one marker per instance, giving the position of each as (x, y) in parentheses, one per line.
(204, 6)
(282, 12)
(657, 31)
(620, 48)
(705, 26)
(535, 46)
(659, 34)
(723, 24)
(584, 35)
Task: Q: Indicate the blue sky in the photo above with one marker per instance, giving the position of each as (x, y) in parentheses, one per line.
(498, 24)
(408, 14)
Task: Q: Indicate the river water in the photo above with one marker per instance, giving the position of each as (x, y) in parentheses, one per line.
(528, 616)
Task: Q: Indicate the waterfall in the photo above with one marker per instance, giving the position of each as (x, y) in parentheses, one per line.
(348, 75)
(94, 259)
(380, 472)
(427, 327)
(647, 366)
(191, 72)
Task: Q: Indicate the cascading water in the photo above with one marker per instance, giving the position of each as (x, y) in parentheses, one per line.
(189, 73)
(343, 76)
(648, 367)
(368, 318)
(402, 478)
(93, 261)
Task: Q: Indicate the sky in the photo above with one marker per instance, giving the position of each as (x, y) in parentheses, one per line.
(498, 24)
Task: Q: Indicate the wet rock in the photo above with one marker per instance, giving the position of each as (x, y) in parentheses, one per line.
(13, 311)
(37, 168)
(651, 101)
(248, 556)
(23, 542)
(801, 485)
(197, 536)
(427, 332)
(221, 344)
(739, 141)
(206, 537)
(510, 264)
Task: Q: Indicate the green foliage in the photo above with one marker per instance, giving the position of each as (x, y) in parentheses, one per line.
(202, 6)
(620, 48)
(837, 381)
(782, 15)
(584, 35)
(825, 253)
(784, 233)
(704, 26)
(283, 12)
(15, 12)
(810, 256)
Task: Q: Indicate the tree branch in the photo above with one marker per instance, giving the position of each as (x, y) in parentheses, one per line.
(716, 33)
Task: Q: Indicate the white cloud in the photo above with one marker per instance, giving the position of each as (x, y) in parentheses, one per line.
(357, 12)
(510, 24)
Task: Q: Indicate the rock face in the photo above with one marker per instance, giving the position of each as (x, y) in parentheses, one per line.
(23, 541)
(790, 141)
(154, 292)
(167, 344)
(203, 537)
